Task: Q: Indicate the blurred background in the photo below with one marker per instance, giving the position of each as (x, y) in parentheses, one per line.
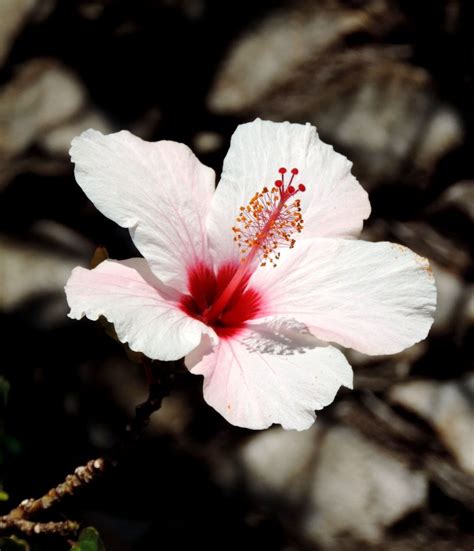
(389, 466)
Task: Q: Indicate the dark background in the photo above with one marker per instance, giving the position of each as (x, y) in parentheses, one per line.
(389, 84)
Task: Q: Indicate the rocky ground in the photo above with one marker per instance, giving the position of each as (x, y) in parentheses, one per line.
(390, 83)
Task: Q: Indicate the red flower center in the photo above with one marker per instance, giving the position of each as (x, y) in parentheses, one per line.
(205, 287)
(223, 301)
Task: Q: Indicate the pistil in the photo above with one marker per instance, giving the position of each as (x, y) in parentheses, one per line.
(265, 225)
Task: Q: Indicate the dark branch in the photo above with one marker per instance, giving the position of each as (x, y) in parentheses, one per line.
(160, 377)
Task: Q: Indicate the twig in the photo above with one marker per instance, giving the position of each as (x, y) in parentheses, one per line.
(31, 528)
(16, 520)
(159, 388)
(82, 475)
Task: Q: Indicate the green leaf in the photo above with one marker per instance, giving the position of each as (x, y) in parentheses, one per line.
(13, 544)
(89, 540)
(4, 497)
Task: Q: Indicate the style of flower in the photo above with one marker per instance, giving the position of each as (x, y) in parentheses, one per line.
(249, 282)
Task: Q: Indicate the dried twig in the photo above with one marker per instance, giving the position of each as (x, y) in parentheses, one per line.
(18, 518)
(82, 475)
(31, 528)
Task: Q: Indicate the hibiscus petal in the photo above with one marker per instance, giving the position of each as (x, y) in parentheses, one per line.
(274, 373)
(144, 312)
(378, 298)
(334, 204)
(159, 190)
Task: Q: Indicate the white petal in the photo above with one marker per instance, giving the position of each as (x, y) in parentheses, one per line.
(334, 204)
(272, 374)
(159, 190)
(144, 312)
(378, 298)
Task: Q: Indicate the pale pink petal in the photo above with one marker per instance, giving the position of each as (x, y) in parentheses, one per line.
(271, 374)
(378, 298)
(144, 312)
(334, 204)
(159, 190)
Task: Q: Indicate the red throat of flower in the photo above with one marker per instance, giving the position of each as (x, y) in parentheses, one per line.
(263, 227)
